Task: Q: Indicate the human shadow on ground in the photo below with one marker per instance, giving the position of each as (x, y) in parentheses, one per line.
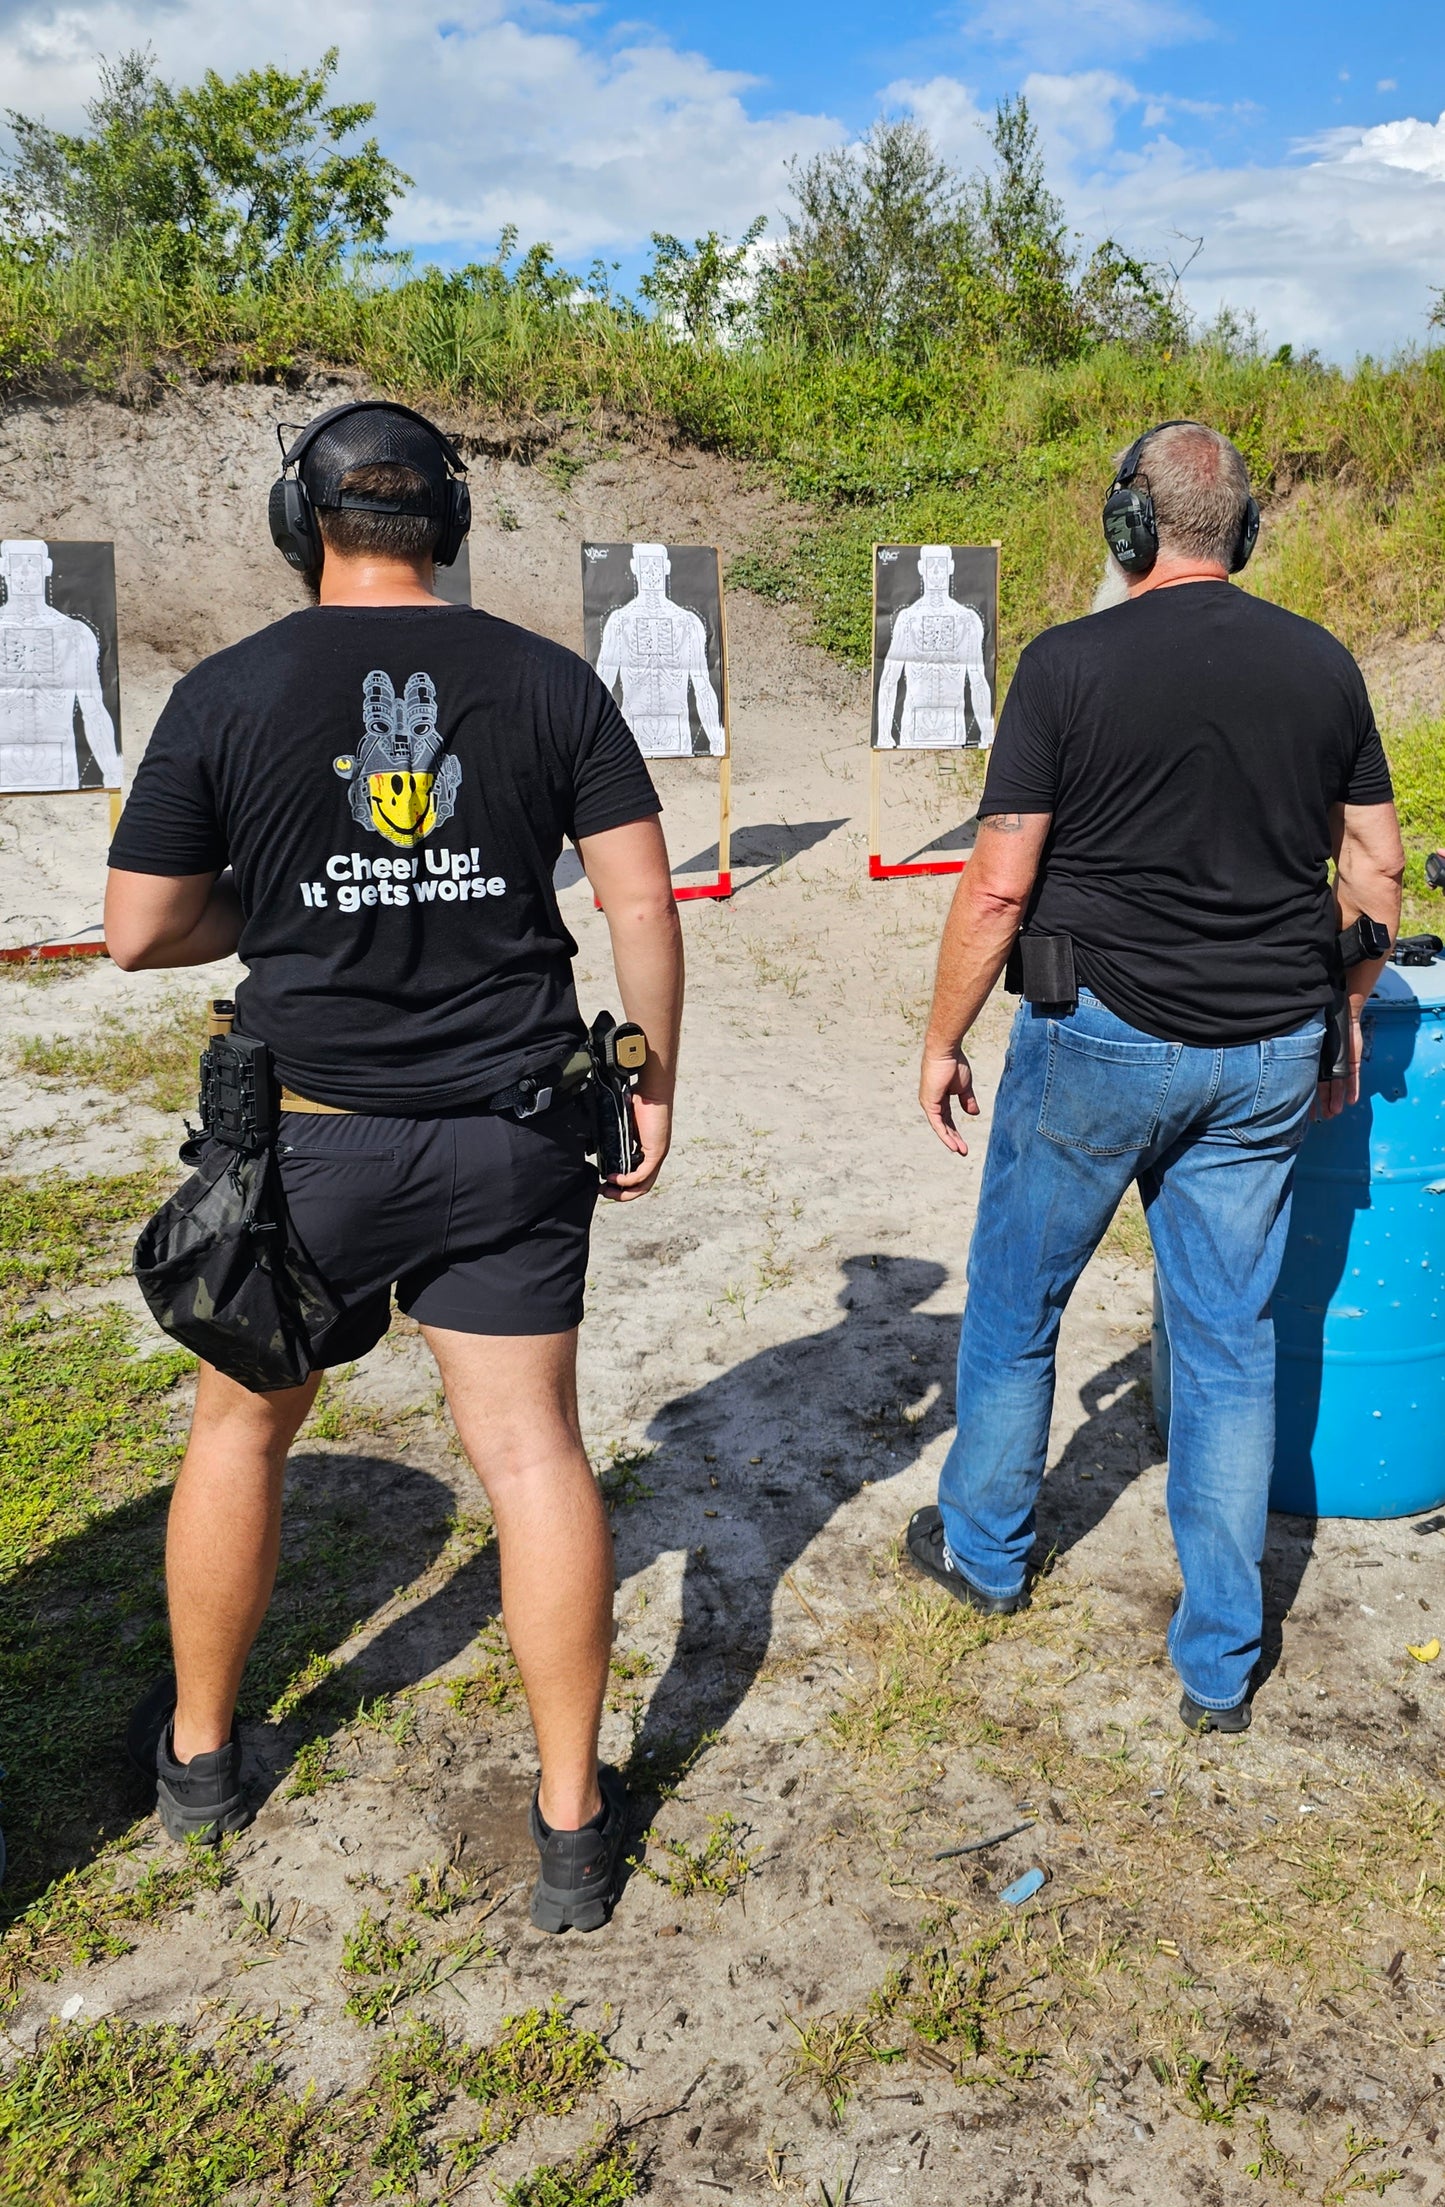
(83, 1632)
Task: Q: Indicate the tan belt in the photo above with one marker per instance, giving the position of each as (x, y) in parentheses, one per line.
(292, 1102)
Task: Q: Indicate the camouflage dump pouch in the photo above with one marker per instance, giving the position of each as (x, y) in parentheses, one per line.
(223, 1273)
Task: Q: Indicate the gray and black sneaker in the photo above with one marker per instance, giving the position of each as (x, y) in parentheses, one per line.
(1197, 1719)
(928, 1552)
(199, 1800)
(581, 1870)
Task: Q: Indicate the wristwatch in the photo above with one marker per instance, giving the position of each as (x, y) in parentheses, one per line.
(1364, 938)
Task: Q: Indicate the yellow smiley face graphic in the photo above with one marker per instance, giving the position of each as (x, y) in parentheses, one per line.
(403, 806)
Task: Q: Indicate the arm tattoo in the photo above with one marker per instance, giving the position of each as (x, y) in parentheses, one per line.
(1003, 823)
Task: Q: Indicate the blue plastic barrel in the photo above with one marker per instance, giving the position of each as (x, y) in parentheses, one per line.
(1359, 1313)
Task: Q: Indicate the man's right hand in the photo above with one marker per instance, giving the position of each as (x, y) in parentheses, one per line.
(947, 1076)
(654, 1132)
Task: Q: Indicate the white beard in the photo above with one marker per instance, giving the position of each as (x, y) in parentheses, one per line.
(1113, 586)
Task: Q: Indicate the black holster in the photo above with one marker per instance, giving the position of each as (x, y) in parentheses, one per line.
(1040, 969)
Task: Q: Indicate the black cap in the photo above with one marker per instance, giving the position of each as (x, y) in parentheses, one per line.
(361, 435)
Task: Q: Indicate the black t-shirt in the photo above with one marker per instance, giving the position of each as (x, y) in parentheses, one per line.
(392, 786)
(1189, 745)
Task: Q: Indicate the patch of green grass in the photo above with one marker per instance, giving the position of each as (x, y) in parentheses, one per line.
(620, 1476)
(605, 2176)
(719, 1867)
(495, 1684)
(386, 1966)
(88, 1916)
(156, 1063)
(1417, 766)
(538, 2064)
(155, 2115)
(57, 1234)
(313, 1768)
(143, 2115)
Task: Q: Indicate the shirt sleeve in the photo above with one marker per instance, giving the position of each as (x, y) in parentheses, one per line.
(611, 785)
(1369, 782)
(1023, 766)
(170, 824)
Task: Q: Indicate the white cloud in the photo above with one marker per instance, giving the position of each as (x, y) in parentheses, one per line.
(1078, 115)
(588, 144)
(948, 111)
(1058, 32)
(1339, 249)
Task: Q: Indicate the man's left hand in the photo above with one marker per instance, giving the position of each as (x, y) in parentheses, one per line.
(947, 1077)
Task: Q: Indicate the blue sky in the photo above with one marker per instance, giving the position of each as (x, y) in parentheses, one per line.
(1305, 144)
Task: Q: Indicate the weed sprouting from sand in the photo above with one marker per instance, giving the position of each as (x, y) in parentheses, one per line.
(620, 1475)
(386, 1967)
(832, 2053)
(1215, 2089)
(717, 1868)
(494, 1685)
(605, 2176)
(314, 1767)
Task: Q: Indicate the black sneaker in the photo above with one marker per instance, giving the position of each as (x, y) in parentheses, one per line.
(199, 1800)
(1198, 1719)
(928, 1553)
(581, 1870)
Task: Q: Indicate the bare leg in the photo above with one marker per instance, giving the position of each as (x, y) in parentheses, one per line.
(514, 1399)
(222, 1542)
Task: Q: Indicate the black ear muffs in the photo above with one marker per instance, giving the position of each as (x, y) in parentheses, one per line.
(291, 511)
(1248, 537)
(294, 530)
(456, 524)
(1131, 529)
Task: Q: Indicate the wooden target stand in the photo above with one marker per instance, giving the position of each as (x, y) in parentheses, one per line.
(86, 947)
(877, 871)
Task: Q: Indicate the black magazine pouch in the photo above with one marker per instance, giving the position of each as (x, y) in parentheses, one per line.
(223, 1272)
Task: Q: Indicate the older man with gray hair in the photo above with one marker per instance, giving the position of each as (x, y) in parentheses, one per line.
(1171, 778)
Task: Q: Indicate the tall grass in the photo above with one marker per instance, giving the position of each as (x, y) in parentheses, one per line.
(951, 447)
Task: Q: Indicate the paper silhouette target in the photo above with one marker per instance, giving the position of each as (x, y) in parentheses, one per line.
(59, 673)
(652, 624)
(935, 646)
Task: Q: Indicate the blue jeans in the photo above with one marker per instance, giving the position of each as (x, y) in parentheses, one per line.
(1087, 1104)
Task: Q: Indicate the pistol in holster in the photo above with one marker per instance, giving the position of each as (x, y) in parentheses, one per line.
(618, 1051)
(1040, 969)
(239, 1099)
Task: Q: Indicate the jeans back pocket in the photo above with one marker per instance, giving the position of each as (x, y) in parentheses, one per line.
(1101, 1096)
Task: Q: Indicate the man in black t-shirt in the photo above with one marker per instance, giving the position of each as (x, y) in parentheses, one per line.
(1170, 780)
(366, 802)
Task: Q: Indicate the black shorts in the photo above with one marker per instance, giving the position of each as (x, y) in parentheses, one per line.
(479, 1221)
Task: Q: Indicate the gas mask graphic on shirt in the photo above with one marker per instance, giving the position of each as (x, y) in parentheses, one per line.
(400, 785)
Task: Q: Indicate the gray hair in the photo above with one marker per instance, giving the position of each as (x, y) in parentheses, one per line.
(1200, 487)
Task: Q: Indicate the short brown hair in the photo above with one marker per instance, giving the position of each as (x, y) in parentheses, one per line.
(1200, 488)
(390, 535)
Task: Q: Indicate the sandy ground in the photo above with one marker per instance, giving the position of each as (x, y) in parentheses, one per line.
(778, 1325)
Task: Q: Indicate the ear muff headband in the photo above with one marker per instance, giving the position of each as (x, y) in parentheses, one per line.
(291, 511)
(1131, 529)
